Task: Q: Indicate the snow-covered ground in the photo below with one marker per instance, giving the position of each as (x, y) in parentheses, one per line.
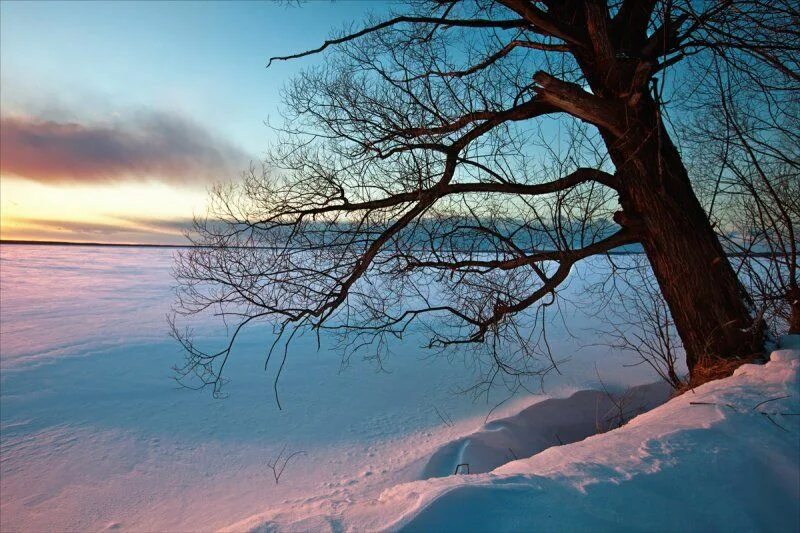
(94, 434)
(723, 457)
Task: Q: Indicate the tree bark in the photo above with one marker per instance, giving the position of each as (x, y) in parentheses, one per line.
(793, 296)
(708, 303)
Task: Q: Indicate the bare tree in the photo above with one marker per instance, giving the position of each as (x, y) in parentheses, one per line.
(452, 163)
(746, 150)
(637, 318)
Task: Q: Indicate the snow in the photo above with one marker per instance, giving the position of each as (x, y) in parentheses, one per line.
(94, 435)
(548, 423)
(723, 457)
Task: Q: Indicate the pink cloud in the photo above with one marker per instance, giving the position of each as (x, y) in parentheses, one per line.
(157, 146)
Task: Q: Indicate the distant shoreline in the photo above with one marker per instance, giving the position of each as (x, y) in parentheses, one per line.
(75, 243)
(134, 245)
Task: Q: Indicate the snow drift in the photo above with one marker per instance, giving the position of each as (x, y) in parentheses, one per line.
(551, 422)
(721, 457)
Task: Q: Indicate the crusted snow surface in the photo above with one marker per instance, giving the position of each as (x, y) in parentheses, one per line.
(722, 457)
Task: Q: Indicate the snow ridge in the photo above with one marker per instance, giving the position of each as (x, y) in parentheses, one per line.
(721, 457)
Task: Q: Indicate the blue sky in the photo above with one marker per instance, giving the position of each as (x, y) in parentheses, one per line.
(115, 71)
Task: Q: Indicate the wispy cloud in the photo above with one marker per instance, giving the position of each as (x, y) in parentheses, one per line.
(142, 146)
(115, 229)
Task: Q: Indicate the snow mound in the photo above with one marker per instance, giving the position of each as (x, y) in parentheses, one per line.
(721, 457)
(548, 423)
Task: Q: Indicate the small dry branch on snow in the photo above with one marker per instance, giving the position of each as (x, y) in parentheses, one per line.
(280, 462)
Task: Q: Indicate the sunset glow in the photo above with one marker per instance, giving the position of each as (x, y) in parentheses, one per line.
(149, 212)
(117, 117)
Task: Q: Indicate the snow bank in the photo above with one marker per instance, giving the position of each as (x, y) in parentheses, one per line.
(548, 423)
(721, 457)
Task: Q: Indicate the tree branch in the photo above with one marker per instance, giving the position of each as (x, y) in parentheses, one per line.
(506, 24)
(440, 190)
(540, 20)
(574, 100)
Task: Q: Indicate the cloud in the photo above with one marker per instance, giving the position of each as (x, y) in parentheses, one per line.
(117, 229)
(143, 146)
(176, 226)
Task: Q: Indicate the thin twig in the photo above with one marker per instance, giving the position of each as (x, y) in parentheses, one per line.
(447, 421)
(277, 467)
(773, 421)
(770, 400)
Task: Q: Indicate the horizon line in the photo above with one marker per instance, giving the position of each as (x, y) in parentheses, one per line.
(32, 242)
(90, 243)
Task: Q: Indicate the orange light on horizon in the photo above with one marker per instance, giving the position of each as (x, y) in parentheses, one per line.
(134, 211)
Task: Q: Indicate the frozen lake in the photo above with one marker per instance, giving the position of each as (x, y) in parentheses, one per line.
(96, 435)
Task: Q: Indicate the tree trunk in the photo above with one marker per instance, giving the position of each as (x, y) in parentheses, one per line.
(793, 296)
(708, 304)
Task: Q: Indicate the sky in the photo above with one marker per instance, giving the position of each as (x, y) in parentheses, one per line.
(116, 117)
